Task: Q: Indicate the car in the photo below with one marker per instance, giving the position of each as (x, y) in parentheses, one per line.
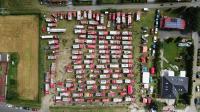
(198, 88)
(198, 75)
(197, 101)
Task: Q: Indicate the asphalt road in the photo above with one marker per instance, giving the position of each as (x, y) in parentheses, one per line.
(125, 6)
(4, 108)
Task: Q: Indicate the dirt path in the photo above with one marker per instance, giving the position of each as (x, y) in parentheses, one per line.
(46, 102)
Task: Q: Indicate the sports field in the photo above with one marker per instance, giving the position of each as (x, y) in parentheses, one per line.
(20, 34)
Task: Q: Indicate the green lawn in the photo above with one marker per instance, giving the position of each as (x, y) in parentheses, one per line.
(110, 1)
(89, 109)
(171, 53)
(22, 6)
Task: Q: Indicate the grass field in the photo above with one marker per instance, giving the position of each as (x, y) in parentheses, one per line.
(20, 34)
(89, 109)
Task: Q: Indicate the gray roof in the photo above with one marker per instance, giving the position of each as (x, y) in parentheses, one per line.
(172, 86)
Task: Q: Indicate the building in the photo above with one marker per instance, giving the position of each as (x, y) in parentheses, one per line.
(172, 86)
(172, 23)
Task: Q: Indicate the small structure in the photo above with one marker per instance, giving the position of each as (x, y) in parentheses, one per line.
(145, 77)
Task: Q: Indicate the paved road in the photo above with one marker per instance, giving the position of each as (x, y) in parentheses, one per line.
(4, 108)
(123, 6)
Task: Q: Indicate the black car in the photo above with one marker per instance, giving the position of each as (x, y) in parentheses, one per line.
(198, 74)
(197, 101)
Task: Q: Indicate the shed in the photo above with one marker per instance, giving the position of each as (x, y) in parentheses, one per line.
(130, 89)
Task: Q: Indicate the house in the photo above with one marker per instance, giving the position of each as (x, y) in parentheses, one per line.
(172, 23)
(172, 86)
(4, 57)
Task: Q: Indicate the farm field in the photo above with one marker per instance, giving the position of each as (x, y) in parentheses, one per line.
(20, 34)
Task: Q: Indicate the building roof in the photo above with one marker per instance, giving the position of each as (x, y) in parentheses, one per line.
(144, 49)
(172, 23)
(172, 86)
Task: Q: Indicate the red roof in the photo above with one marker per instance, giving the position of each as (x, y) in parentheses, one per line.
(130, 89)
(144, 100)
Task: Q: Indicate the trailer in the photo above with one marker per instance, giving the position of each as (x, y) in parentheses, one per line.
(126, 38)
(66, 99)
(90, 56)
(126, 47)
(126, 65)
(50, 42)
(115, 52)
(114, 66)
(102, 19)
(116, 75)
(116, 56)
(90, 14)
(115, 87)
(49, 36)
(126, 70)
(126, 33)
(106, 56)
(46, 88)
(51, 57)
(101, 27)
(92, 22)
(78, 17)
(83, 22)
(79, 41)
(103, 76)
(75, 95)
(79, 26)
(77, 46)
(87, 61)
(78, 67)
(103, 33)
(80, 71)
(118, 18)
(104, 81)
(114, 33)
(98, 66)
(129, 61)
(125, 56)
(79, 31)
(123, 18)
(54, 47)
(104, 52)
(91, 32)
(92, 36)
(91, 46)
(130, 89)
(103, 61)
(115, 42)
(126, 42)
(105, 100)
(51, 24)
(137, 15)
(90, 82)
(90, 41)
(83, 36)
(107, 71)
(91, 28)
(108, 37)
(56, 30)
(118, 81)
(50, 20)
(103, 46)
(69, 15)
(129, 19)
(91, 51)
(104, 87)
(115, 47)
(97, 17)
(117, 100)
(105, 42)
